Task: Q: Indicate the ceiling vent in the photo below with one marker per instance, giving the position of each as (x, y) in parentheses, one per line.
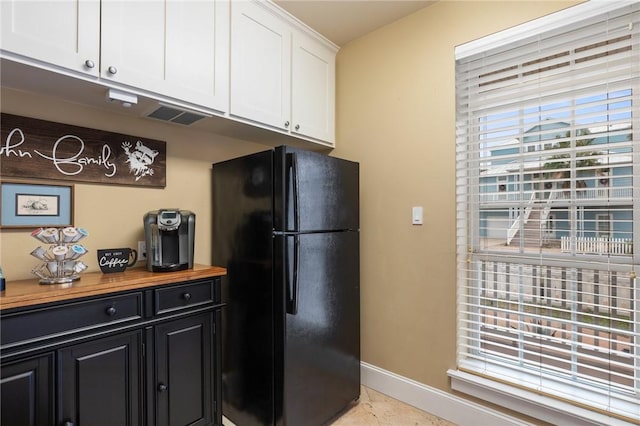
(174, 115)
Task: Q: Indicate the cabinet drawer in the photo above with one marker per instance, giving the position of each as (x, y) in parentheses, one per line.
(183, 296)
(36, 324)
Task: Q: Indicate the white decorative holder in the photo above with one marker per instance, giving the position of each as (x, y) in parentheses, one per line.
(60, 260)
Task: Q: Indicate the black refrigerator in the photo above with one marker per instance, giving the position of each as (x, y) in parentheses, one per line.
(286, 227)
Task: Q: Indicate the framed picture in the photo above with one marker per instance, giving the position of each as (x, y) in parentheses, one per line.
(33, 205)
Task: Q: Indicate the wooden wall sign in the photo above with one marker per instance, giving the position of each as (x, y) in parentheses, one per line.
(40, 149)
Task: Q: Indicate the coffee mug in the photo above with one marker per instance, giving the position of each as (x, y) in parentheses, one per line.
(116, 260)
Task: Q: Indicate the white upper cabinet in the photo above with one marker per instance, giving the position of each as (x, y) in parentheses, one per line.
(176, 48)
(313, 89)
(243, 59)
(133, 43)
(260, 65)
(197, 45)
(64, 33)
(281, 76)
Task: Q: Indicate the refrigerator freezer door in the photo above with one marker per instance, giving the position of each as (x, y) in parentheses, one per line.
(314, 192)
(321, 370)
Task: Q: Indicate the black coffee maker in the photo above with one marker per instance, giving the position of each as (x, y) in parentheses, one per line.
(169, 235)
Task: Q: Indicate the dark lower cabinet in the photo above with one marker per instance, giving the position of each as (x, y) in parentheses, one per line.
(26, 392)
(100, 382)
(148, 358)
(184, 363)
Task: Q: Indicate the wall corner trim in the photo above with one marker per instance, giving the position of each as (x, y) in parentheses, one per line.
(442, 404)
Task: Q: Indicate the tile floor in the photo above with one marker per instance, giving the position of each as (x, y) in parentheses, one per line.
(377, 409)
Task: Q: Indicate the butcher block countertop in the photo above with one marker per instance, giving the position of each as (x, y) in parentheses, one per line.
(30, 292)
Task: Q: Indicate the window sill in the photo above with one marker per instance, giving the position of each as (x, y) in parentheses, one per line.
(529, 403)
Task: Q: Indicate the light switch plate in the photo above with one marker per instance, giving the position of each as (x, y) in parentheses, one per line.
(416, 216)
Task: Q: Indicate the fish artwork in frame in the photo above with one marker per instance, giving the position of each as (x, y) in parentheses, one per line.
(29, 205)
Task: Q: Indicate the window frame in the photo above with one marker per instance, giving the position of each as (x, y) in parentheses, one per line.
(467, 378)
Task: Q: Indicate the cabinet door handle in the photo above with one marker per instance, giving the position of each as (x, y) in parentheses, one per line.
(162, 387)
(297, 127)
(186, 296)
(111, 311)
(112, 69)
(286, 124)
(89, 63)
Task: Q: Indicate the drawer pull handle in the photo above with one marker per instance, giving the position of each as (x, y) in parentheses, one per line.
(162, 387)
(111, 311)
(186, 296)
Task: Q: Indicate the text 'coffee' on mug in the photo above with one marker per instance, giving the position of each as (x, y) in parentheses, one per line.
(116, 260)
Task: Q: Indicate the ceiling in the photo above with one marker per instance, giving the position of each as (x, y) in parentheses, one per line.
(344, 20)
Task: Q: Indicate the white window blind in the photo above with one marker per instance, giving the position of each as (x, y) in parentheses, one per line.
(548, 186)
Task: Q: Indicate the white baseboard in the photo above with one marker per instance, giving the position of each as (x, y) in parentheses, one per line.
(432, 400)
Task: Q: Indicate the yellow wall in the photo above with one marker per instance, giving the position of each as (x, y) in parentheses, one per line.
(396, 116)
(113, 214)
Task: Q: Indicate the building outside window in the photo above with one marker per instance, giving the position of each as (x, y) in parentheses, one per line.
(548, 152)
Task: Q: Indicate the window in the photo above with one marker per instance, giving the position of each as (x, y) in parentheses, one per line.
(548, 299)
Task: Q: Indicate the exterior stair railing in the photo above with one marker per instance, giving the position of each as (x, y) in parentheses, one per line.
(522, 217)
(544, 215)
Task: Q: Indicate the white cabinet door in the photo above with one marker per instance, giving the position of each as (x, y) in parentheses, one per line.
(133, 43)
(260, 65)
(64, 33)
(312, 89)
(197, 52)
(177, 48)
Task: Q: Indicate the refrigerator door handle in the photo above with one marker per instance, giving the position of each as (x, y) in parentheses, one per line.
(292, 276)
(293, 166)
